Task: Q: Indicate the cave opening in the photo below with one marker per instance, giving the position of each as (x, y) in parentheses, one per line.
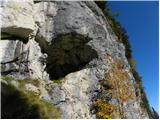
(68, 53)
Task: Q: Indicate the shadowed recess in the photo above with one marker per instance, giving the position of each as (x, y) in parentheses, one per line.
(16, 104)
(68, 53)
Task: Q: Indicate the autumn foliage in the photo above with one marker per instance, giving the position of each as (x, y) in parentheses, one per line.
(120, 87)
(104, 109)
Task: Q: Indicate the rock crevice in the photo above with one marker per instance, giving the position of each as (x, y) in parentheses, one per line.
(65, 40)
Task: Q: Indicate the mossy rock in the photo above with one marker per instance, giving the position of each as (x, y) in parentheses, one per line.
(17, 104)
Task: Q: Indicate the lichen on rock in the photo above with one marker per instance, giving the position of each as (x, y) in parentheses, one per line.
(60, 51)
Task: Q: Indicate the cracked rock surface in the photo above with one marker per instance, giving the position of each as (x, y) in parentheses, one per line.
(63, 40)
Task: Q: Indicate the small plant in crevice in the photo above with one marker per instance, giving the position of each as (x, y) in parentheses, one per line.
(103, 109)
(121, 33)
(59, 80)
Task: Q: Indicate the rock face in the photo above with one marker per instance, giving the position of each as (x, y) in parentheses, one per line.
(67, 40)
(17, 18)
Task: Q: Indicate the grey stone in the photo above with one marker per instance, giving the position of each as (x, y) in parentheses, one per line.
(67, 40)
(15, 84)
(17, 18)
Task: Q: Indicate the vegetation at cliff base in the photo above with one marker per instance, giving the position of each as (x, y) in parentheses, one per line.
(18, 104)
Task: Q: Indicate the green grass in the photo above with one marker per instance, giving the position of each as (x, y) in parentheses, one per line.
(16, 103)
(7, 78)
(59, 81)
(28, 80)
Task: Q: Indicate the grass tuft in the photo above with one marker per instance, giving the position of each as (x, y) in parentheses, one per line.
(18, 104)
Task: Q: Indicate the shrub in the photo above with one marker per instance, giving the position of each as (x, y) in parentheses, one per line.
(121, 33)
(103, 109)
(121, 86)
(59, 80)
(101, 4)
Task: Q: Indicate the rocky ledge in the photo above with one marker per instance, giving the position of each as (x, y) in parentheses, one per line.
(72, 43)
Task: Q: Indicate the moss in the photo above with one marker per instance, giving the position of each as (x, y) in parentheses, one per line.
(21, 82)
(28, 80)
(7, 78)
(45, 109)
(59, 80)
(16, 103)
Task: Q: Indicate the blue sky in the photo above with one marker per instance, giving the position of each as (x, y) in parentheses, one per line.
(140, 19)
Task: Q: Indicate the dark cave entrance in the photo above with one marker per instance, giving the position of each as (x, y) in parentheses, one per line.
(68, 53)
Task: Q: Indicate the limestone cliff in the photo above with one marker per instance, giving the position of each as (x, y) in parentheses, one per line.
(72, 43)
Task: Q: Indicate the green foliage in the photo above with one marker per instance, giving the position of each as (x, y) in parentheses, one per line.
(14, 105)
(138, 79)
(154, 114)
(136, 76)
(59, 80)
(7, 78)
(116, 14)
(18, 104)
(118, 30)
(101, 4)
(117, 85)
(145, 103)
(121, 33)
(132, 63)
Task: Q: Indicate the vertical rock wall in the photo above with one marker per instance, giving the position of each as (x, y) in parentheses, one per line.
(67, 40)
